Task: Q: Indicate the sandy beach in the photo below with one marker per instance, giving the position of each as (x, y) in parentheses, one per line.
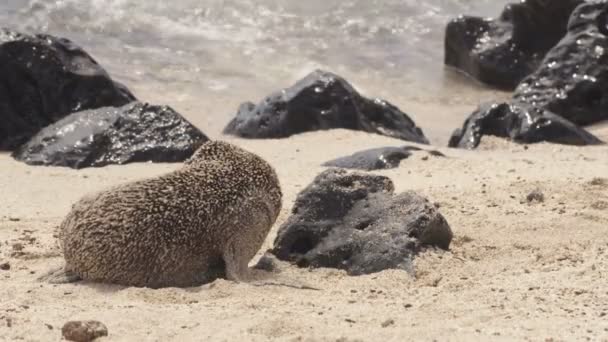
(515, 270)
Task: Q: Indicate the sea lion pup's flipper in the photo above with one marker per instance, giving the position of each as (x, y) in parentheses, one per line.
(236, 262)
(237, 270)
(60, 275)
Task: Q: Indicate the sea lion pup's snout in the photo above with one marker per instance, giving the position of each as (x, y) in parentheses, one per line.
(172, 230)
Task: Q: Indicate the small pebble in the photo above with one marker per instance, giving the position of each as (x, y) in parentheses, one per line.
(535, 196)
(388, 323)
(83, 331)
(599, 182)
(266, 263)
(5, 266)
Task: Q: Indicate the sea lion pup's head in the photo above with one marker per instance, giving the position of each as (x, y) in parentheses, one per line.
(252, 167)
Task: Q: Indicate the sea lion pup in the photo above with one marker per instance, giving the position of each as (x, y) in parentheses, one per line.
(185, 228)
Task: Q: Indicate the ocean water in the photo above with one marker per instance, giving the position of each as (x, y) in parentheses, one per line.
(204, 57)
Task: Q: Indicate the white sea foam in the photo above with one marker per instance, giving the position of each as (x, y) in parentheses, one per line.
(223, 45)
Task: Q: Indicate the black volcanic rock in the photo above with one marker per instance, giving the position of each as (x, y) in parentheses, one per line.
(136, 132)
(569, 88)
(522, 124)
(572, 80)
(353, 221)
(501, 52)
(321, 101)
(377, 158)
(44, 78)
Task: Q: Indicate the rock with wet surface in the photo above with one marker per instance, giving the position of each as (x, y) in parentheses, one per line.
(569, 89)
(83, 331)
(136, 132)
(520, 123)
(377, 158)
(44, 78)
(353, 221)
(501, 52)
(321, 101)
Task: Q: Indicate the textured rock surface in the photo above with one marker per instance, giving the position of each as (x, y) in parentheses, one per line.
(520, 123)
(501, 52)
(83, 331)
(570, 88)
(352, 221)
(377, 158)
(136, 132)
(44, 78)
(321, 101)
(572, 80)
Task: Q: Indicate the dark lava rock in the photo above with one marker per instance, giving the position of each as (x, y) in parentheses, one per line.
(353, 221)
(136, 132)
(520, 123)
(570, 88)
(321, 101)
(5, 266)
(572, 80)
(501, 52)
(377, 158)
(83, 331)
(44, 78)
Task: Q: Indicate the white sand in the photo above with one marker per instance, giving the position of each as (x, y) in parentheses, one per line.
(515, 271)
